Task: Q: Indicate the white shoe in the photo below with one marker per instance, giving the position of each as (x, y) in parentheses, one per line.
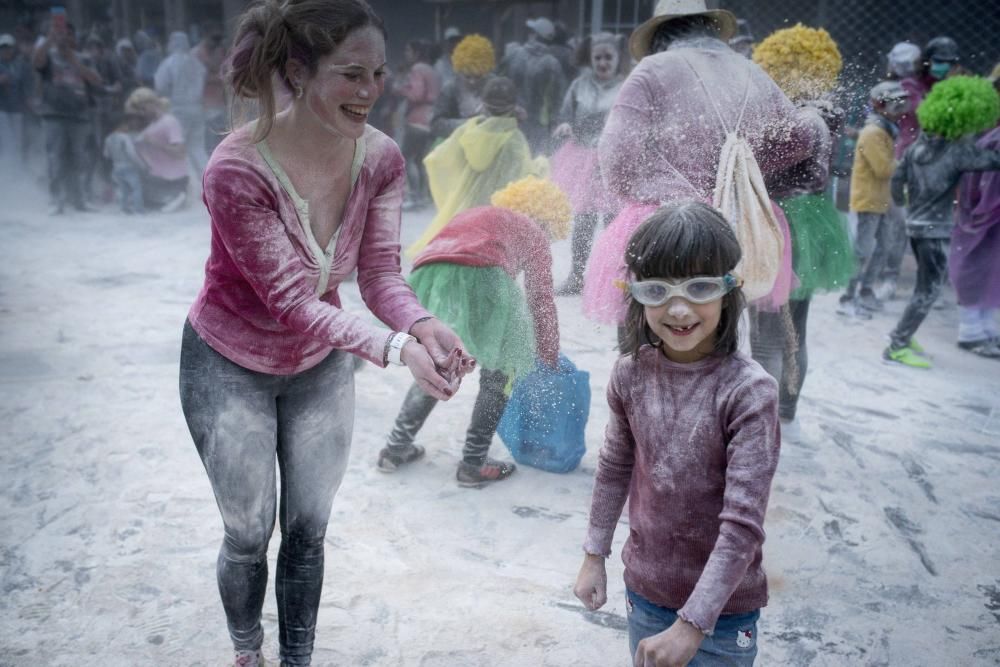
(886, 291)
(791, 430)
(249, 659)
(176, 203)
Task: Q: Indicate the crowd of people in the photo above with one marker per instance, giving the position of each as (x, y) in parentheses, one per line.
(702, 156)
(127, 124)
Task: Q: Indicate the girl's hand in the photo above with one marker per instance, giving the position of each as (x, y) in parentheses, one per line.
(592, 583)
(416, 358)
(674, 647)
(445, 348)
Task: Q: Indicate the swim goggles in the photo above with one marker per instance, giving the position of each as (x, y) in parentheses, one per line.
(696, 290)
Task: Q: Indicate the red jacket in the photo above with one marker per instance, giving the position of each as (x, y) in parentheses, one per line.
(491, 236)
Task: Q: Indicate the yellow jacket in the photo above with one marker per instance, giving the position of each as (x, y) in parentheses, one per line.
(873, 167)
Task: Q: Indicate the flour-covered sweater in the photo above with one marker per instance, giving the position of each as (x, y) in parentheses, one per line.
(269, 302)
(693, 447)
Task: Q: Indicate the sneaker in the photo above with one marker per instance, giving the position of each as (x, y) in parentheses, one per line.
(887, 290)
(391, 459)
(868, 301)
(917, 347)
(907, 357)
(850, 308)
(984, 348)
(175, 203)
(250, 659)
(472, 476)
(791, 430)
(571, 287)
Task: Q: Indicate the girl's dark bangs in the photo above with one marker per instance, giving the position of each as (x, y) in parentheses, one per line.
(676, 247)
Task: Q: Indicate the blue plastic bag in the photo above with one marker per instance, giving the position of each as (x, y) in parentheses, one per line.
(544, 423)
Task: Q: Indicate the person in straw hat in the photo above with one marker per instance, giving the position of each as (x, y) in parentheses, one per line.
(664, 135)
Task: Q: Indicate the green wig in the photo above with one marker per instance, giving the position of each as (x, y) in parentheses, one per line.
(958, 106)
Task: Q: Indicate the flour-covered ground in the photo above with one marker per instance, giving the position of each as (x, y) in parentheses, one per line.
(883, 530)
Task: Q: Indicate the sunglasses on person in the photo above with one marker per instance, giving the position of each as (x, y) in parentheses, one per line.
(696, 290)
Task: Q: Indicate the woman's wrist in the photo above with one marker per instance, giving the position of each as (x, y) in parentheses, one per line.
(393, 353)
(422, 320)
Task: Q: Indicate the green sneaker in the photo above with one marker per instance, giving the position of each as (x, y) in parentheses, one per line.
(906, 356)
(916, 347)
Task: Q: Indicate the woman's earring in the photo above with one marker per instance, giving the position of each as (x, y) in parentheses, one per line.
(298, 91)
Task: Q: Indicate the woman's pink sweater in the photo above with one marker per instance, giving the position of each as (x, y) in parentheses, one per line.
(270, 302)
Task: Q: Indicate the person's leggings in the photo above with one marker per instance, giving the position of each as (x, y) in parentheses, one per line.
(242, 422)
(932, 272)
(584, 226)
(782, 351)
(872, 241)
(489, 407)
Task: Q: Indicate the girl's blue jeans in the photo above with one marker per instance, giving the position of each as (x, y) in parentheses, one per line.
(730, 645)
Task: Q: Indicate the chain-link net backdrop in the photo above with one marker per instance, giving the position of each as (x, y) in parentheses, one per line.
(864, 30)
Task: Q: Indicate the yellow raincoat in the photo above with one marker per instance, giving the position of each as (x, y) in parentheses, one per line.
(480, 157)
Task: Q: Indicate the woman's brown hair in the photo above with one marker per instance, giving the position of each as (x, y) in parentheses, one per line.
(272, 32)
(677, 242)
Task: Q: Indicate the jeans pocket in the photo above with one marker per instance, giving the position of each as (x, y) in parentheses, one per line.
(734, 641)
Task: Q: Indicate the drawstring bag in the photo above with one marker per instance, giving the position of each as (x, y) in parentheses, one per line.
(544, 423)
(741, 196)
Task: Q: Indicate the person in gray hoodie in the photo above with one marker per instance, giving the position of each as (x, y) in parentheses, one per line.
(925, 181)
(181, 79)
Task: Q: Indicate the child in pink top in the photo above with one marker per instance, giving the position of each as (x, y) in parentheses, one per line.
(692, 444)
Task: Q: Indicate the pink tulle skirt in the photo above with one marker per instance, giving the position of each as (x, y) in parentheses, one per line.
(576, 171)
(603, 301)
(786, 280)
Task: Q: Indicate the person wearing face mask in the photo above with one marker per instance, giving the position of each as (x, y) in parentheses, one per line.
(938, 58)
(574, 166)
(298, 200)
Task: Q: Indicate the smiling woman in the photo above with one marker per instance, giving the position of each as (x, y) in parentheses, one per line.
(298, 200)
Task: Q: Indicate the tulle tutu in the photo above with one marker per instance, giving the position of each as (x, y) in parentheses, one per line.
(486, 308)
(602, 301)
(786, 280)
(576, 171)
(821, 248)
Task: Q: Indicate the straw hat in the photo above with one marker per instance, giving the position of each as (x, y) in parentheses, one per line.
(638, 43)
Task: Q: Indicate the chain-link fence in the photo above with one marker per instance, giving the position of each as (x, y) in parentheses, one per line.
(864, 30)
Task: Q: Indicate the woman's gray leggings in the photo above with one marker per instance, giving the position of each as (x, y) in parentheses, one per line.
(242, 422)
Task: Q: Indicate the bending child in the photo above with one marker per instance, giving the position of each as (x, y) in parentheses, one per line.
(482, 156)
(692, 443)
(466, 277)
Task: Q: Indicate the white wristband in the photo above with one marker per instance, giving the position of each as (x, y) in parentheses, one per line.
(396, 344)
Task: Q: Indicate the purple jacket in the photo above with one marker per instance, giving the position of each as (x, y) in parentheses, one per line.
(693, 447)
(663, 135)
(270, 302)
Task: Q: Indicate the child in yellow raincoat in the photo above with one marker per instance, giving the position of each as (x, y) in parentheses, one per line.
(481, 157)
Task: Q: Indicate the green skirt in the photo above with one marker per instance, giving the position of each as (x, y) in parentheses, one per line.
(487, 310)
(822, 255)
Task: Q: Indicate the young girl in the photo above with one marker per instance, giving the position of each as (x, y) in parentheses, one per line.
(466, 277)
(127, 168)
(692, 442)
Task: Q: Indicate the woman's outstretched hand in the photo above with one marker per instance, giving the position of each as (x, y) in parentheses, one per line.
(592, 583)
(445, 349)
(426, 373)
